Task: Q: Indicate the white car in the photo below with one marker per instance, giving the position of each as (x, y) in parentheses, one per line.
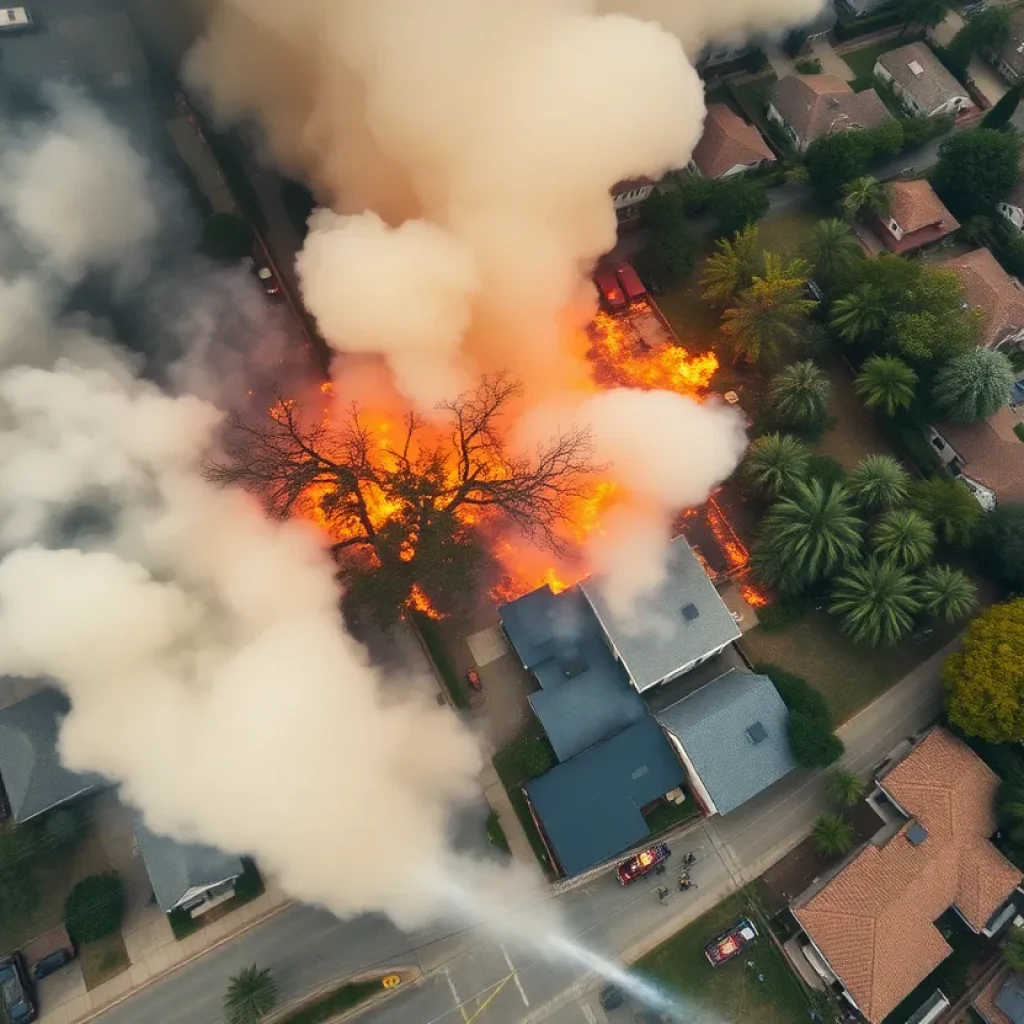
(14, 18)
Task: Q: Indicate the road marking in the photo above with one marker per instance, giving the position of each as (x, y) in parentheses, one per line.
(515, 975)
(455, 996)
(487, 1001)
(588, 1013)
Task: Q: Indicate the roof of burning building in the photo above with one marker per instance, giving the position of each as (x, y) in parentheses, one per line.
(681, 620)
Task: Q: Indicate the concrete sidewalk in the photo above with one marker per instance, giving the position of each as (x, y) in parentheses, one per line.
(495, 794)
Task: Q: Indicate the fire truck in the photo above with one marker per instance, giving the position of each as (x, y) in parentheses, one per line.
(638, 865)
(631, 283)
(613, 298)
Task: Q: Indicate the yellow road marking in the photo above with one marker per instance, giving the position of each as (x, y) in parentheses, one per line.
(487, 1001)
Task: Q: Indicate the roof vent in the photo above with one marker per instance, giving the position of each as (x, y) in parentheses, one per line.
(916, 68)
(757, 733)
(691, 612)
(640, 772)
(916, 834)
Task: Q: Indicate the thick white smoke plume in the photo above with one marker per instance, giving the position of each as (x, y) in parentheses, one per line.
(200, 644)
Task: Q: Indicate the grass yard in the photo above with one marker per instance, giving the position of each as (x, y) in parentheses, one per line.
(732, 991)
(856, 432)
(694, 320)
(666, 815)
(526, 757)
(786, 233)
(862, 61)
(454, 681)
(849, 675)
(102, 960)
(336, 1002)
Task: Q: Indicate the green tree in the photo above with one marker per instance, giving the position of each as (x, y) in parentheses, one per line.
(730, 269)
(975, 170)
(844, 787)
(811, 738)
(19, 886)
(767, 314)
(948, 593)
(886, 383)
(973, 385)
(671, 250)
(1000, 546)
(799, 394)
(878, 483)
(251, 996)
(834, 159)
(861, 314)
(984, 680)
(989, 27)
(1013, 949)
(903, 537)
(227, 237)
(63, 827)
(922, 13)
(999, 116)
(833, 835)
(833, 252)
(94, 907)
(738, 203)
(809, 534)
(773, 463)
(876, 602)
(949, 506)
(864, 195)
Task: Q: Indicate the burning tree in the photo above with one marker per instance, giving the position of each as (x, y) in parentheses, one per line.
(409, 503)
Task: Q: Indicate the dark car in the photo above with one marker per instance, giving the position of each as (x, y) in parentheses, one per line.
(52, 962)
(611, 997)
(731, 943)
(267, 278)
(15, 991)
(638, 865)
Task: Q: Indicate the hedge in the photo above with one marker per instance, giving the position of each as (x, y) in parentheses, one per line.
(94, 907)
(873, 23)
(813, 742)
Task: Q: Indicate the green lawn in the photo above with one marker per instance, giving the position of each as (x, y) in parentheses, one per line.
(732, 991)
(526, 757)
(694, 321)
(454, 681)
(666, 815)
(339, 1000)
(849, 675)
(862, 61)
(786, 233)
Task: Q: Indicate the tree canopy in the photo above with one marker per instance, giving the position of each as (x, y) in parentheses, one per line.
(773, 463)
(739, 202)
(876, 602)
(985, 679)
(903, 537)
(976, 169)
(833, 252)
(878, 482)
(1000, 546)
(94, 907)
(972, 385)
(799, 394)
(671, 250)
(887, 384)
(864, 195)
(227, 237)
(730, 269)
(949, 506)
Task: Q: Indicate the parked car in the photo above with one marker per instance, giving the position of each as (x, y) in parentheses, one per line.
(15, 990)
(638, 865)
(52, 962)
(15, 19)
(611, 997)
(267, 278)
(730, 943)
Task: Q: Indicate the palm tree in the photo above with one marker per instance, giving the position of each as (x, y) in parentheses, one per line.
(903, 537)
(949, 506)
(808, 534)
(948, 593)
(799, 394)
(832, 250)
(833, 835)
(861, 313)
(876, 602)
(973, 385)
(879, 482)
(251, 995)
(844, 787)
(865, 195)
(773, 462)
(767, 313)
(886, 383)
(731, 268)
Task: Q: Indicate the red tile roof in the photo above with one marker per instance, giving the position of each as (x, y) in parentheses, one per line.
(727, 141)
(874, 920)
(914, 205)
(991, 289)
(991, 453)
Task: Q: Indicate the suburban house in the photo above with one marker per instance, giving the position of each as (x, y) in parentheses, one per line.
(731, 736)
(1001, 1001)
(989, 288)
(988, 456)
(628, 197)
(716, 56)
(1008, 57)
(916, 217)
(728, 146)
(921, 82)
(1012, 206)
(850, 9)
(869, 927)
(187, 876)
(807, 107)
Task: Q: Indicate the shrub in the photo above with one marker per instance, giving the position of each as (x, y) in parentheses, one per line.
(809, 66)
(249, 883)
(862, 26)
(94, 907)
(811, 738)
(62, 828)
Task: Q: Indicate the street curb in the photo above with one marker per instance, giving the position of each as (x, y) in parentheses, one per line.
(131, 993)
(413, 974)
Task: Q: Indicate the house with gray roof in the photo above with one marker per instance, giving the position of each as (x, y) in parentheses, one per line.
(590, 808)
(731, 735)
(673, 628)
(921, 81)
(33, 775)
(187, 876)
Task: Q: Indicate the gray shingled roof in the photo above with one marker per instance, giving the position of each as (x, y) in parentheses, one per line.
(662, 639)
(930, 87)
(174, 867)
(1010, 999)
(717, 728)
(33, 776)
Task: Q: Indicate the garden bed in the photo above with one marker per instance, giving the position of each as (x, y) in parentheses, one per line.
(334, 1003)
(103, 959)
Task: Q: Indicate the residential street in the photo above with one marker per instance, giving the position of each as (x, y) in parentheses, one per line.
(307, 948)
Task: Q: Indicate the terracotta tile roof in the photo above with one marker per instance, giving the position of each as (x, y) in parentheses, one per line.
(814, 105)
(991, 453)
(874, 920)
(727, 141)
(914, 205)
(991, 289)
